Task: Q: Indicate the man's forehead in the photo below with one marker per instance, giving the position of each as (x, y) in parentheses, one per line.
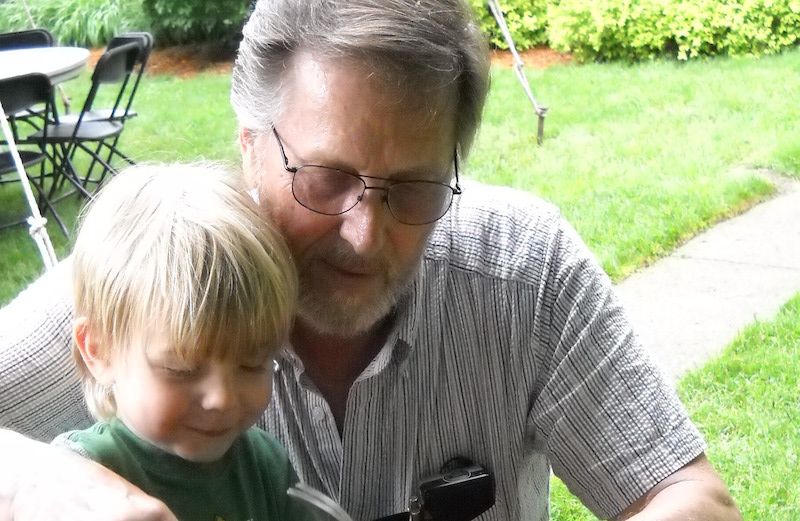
(351, 91)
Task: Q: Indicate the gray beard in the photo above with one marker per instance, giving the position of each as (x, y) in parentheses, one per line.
(344, 316)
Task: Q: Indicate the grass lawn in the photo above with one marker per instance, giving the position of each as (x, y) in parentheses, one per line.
(638, 157)
(642, 157)
(747, 404)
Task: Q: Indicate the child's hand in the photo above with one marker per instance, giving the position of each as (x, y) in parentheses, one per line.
(44, 483)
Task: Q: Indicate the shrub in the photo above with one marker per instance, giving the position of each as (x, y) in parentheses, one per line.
(641, 29)
(90, 23)
(182, 21)
(526, 20)
(609, 29)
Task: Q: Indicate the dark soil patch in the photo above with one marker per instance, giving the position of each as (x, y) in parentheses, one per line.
(537, 58)
(183, 60)
(187, 60)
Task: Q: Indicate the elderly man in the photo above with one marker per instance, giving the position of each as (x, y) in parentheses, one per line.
(432, 324)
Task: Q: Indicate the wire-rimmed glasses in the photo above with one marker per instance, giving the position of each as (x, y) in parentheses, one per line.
(330, 191)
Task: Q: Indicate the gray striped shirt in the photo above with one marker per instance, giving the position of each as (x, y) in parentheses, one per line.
(511, 350)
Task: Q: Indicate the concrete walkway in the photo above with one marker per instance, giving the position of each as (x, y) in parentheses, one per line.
(690, 306)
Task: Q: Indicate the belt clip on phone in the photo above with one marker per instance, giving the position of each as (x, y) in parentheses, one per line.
(461, 491)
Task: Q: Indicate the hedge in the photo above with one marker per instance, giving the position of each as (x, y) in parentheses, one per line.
(526, 19)
(181, 21)
(642, 29)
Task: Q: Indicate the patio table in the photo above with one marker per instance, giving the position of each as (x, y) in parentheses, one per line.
(58, 63)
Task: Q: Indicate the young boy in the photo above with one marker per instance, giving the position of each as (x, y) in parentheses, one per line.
(183, 293)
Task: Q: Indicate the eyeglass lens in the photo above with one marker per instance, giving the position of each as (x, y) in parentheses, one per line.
(333, 192)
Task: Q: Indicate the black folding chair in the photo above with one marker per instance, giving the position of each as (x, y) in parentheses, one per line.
(25, 39)
(111, 73)
(123, 106)
(33, 116)
(16, 94)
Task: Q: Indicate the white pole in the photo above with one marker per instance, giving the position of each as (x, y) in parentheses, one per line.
(541, 111)
(36, 223)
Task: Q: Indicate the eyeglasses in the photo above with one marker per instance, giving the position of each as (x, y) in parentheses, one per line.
(330, 191)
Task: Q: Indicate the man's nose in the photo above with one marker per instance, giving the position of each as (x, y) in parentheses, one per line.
(364, 225)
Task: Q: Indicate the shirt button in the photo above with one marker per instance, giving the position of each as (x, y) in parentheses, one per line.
(318, 414)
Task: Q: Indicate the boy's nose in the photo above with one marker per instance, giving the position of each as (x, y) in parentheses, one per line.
(218, 392)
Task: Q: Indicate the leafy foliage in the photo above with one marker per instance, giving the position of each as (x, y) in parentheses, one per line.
(526, 20)
(179, 21)
(643, 29)
(88, 23)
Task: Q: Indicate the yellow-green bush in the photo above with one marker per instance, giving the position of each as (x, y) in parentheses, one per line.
(526, 19)
(641, 29)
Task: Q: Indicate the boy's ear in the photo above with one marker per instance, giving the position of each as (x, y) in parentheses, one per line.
(90, 349)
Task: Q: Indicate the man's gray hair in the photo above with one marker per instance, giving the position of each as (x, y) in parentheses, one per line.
(420, 46)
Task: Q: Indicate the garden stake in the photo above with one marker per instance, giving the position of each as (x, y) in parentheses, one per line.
(540, 110)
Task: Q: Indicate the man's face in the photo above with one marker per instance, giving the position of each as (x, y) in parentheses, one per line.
(353, 267)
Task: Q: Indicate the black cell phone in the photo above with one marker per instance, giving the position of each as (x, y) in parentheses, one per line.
(460, 493)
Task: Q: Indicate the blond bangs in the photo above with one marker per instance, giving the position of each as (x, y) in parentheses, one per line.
(181, 252)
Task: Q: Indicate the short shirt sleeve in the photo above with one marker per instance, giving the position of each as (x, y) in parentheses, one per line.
(610, 422)
(40, 393)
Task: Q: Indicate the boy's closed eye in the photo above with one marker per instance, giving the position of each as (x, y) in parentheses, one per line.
(180, 372)
(256, 365)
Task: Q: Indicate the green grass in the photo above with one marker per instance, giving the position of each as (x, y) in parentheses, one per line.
(747, 404)
(639, 158)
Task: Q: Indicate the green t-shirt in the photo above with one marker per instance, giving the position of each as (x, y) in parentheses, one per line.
(248, 483)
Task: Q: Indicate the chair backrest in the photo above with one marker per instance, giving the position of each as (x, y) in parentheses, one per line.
(116, 65)
(113, 67)
(144, 39)
(145, 42)
(25, 39)
(22, 92)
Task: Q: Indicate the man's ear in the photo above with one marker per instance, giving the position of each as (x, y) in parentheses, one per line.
(246, 146)
(245, 141)
(90, 348)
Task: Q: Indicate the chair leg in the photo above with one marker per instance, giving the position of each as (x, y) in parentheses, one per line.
(68, 173)
(106, 165)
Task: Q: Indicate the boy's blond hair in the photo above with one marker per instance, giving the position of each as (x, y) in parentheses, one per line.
(180, 251)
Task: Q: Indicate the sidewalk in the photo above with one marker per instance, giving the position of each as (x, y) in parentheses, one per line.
(690, 306)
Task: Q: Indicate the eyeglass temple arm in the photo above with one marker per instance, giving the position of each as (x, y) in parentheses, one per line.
(292, 169)
(455, 167)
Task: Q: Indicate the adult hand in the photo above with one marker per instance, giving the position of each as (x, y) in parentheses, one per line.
(39, 482)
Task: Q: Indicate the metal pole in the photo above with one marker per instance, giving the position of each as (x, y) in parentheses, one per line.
(541, 111)
(36, 223)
